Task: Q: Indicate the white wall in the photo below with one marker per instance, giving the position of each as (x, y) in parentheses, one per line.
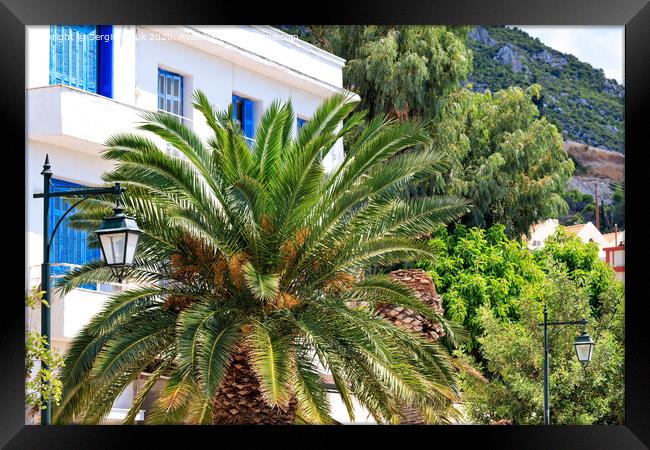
(340, 413)
(275, 45)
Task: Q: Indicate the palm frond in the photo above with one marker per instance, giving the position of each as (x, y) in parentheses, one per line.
(272, 360)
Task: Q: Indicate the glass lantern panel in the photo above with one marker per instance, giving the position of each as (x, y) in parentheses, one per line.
(584, 352)
(113, 245)
(131, 245)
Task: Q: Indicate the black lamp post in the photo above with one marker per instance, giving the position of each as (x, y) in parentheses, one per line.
(118, 237)
(583, 344)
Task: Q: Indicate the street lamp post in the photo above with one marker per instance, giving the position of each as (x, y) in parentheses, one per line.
(584, 348)
(115, 228)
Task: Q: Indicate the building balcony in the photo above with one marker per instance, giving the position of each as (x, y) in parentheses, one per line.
(69, 117)
(73, 118)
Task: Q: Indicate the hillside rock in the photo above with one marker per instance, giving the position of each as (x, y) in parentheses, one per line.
(613, 88)
(596, 162)
(595, 167)
(551, 59)
(481, 35)
(587, 185)
(586, 106)
(509, 56)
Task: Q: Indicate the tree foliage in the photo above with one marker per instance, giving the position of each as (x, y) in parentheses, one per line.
(476, 267)
(399, 70)
(514, 354)
(258, 248)
(498, 289)
(582, 263)
(505, 159)
(43, 384)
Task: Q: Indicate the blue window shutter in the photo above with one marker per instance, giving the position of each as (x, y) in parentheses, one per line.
(301, 123)
(73, 56)
(249, 125)
(235, 99)
(89, 57)
(170, 92)
(55, 54)
(69, 246)
(105, 60)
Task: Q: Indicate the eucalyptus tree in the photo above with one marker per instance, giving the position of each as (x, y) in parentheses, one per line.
(506, 159)
(251, 274)
(400, 70)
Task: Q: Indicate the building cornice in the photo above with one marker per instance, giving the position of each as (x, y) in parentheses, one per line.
(310, 48)
(211, 44)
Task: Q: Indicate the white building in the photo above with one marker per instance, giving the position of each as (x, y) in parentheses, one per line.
(587, 232)
(85, 83)
(539, 232)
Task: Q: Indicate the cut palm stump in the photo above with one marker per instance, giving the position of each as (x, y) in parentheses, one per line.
(422, 286)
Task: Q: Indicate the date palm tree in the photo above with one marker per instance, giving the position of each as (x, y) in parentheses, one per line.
(252, 277)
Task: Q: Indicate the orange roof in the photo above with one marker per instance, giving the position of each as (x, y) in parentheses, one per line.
(609, 237)
(575, 229)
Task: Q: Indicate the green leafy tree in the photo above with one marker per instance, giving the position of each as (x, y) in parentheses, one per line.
(399, 70)
(581, 261)
(505, 159)
(514, 354)
(248, 265)
(43, 384)
(475, 268)
(581, 208)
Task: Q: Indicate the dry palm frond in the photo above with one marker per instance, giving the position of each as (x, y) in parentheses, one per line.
(283, 300)
(340, 282)
(219, 272)
(266, 224)
(177, 302)
(236, 268)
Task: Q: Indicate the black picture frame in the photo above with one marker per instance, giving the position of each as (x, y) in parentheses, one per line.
(634, 14)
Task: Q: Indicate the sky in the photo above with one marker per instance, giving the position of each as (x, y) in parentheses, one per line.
(601, 46)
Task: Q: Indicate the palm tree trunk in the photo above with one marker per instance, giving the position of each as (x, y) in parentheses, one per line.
(240, 402)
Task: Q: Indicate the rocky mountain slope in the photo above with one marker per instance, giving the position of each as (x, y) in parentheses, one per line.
(596, 167)
(576, 97)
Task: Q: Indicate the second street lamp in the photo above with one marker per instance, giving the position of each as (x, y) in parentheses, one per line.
(583, 344)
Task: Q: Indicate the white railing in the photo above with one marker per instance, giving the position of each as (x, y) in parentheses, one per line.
(183, 119)
(104, 288)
